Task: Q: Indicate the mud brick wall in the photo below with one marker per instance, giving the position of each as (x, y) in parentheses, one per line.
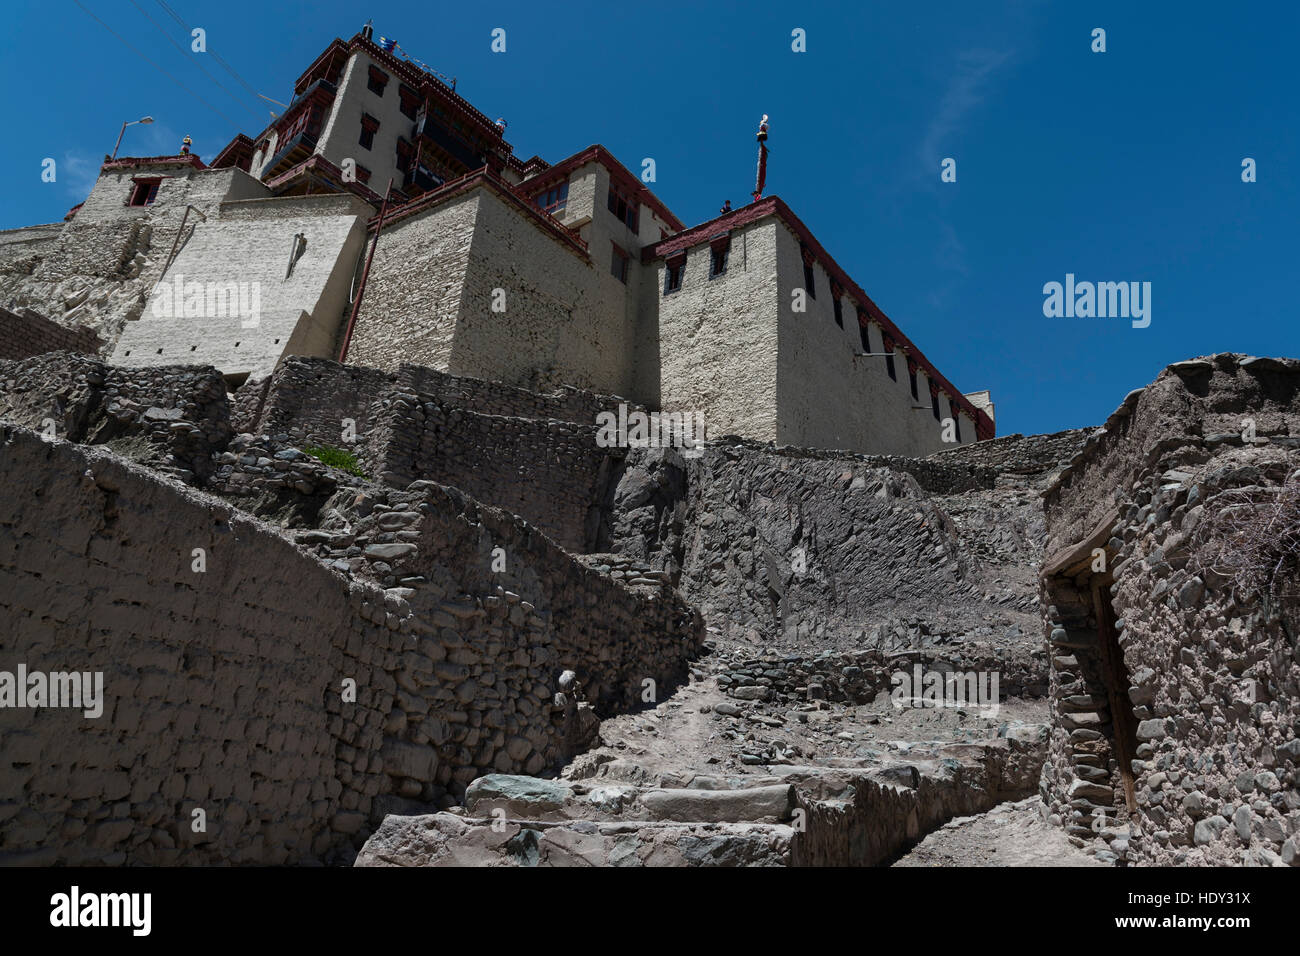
(551, 473)
(1209, 669)
(26, 333)
(456, 665)
(222, 688)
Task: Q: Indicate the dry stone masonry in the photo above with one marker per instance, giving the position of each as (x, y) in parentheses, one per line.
(461, 665)
(328, 650)
(1171, 616)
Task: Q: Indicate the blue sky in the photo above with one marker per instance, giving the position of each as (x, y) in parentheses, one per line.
(1115, 166)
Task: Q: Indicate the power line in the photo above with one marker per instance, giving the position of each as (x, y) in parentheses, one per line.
(212, 53)
(184, 52)
(156, 66)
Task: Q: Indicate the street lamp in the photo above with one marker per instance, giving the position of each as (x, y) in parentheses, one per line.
(146, 120)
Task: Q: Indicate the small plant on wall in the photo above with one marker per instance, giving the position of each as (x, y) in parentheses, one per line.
(336, 458)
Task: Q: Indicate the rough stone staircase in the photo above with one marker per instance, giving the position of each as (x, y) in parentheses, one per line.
(843, 812)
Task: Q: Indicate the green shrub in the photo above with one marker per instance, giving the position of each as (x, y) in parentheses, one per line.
(335, 458)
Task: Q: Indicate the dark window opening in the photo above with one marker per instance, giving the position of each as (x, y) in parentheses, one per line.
(624, 207)
(889, 364)
(408, 101)
(911, 380)
(718, 259)
(839, 312)
(808, 283)
(956, 419)
(405, 156)
(377, 81)
(934, 403)
(618, 264)
(865, 335)
(675, 271)
(369, 126)
(144, 192)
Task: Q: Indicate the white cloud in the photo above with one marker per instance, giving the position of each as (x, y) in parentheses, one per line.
(78, 172)
(967, 90)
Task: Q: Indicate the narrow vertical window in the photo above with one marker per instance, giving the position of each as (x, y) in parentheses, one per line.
(675, 270)
(618, 264)
(369, 126)
(718, 250)
(624, 207)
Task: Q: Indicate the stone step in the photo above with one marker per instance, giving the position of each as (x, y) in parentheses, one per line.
(534, 799)
(448, 839)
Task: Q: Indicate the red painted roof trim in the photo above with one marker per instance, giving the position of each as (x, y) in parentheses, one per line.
(698, 235)
(127, 162)
(599, 154)
(484, 177)
(319, 165)
(773, 205)
(238, 148)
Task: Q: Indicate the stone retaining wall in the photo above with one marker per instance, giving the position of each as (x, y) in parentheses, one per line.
(858, 677)
(459, 661)
(26, 333)
(173, 417)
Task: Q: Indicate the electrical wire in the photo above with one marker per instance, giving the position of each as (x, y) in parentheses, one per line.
(190, 54)
(212, 53)
(127, 44)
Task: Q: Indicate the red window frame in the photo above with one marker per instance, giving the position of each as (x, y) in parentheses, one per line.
(554, 199)
(144, 188)
(369, 127)
(377, 81)
(408, 101)
(405, 155)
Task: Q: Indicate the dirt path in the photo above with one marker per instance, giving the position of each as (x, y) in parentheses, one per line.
(1011, 834)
